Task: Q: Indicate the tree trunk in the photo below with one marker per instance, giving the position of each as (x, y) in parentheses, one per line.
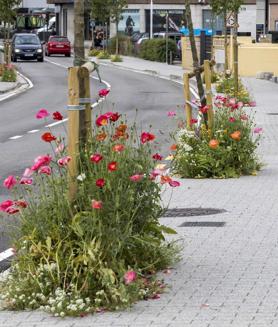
(226, 42)
(236, 55)
(195, 57)
(79, 52)
(117, 39)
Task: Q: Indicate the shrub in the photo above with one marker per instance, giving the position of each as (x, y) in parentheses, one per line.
(94, 52)
(155, 49)
(103, 55)
(99, 252)
(125, 45)
(116, 58)
(226, 85)
(229, 150)
(9, 74)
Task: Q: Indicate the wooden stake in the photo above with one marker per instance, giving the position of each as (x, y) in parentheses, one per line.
(73, 131)
(188, 108)
(207, 70)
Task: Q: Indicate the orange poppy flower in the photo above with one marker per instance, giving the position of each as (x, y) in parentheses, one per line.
(101, 136)
(173, 147)
(213, 144)
(165, 179)
(236, 135)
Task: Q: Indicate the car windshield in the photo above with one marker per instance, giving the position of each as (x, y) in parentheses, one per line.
(27, 39)
(58, 39)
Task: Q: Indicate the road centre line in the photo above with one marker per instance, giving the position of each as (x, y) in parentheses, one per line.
(15, 137)
(33, 131)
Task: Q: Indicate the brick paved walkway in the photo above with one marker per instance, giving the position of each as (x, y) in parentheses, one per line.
(228, 276)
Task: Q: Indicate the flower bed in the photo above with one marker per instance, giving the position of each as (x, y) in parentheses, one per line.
(227, 150)
(9, 74)
(100, 252)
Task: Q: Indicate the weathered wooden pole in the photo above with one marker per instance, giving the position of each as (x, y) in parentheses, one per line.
(207, 71)
(188, 108)
(74, 108)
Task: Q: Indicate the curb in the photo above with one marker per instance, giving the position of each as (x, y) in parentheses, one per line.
(18, 89)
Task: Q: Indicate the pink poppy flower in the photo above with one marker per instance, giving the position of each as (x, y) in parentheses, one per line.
(171, 114)
(232, 119)
(60, 148)
(5, 205)
(100, 182)
(136, 178)
(9, 182)
(258, 130)
(96, 158)
(174, 183)
(129, 277)
(96, 204)
(64, 161)
(41, 161)
(12, 210)
(252, 104)
(26, 181)
(147, 137)
(45, 170)
(28, 172)
(42, 113)
(103, 93)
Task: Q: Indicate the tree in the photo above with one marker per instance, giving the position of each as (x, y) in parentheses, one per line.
(79, 51)
(195, 57)
(7, 16)
(229, 9)
(109, 10)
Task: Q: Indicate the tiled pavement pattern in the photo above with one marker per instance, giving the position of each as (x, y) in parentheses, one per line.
(228, 276)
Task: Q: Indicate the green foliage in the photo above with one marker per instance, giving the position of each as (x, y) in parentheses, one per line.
(226, 85)
(75, 258)
(227, 151)
(103, 55)
(125, 45)
(116, 58)
(9, 74)
(155, 49)
(104, 10)
(94, 52)
(224, 6)
(7, 10)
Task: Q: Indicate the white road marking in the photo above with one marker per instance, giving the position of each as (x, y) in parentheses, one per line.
(6, 254)
(33, 131)
(15, 137)
(56, 123)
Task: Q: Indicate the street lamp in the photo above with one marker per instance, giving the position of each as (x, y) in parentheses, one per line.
(151, 20)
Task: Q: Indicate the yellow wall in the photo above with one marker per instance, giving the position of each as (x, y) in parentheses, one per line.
(257, 58)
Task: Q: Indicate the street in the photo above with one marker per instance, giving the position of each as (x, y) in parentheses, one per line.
(20, 131)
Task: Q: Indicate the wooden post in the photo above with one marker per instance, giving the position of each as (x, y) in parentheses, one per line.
(188, 109)
(207, 70)
(73, 130)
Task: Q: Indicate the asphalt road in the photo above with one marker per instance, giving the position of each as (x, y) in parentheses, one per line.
(146, 98)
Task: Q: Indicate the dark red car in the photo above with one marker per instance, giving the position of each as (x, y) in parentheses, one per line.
(58, 45)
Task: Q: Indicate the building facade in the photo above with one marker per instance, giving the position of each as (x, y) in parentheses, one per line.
(256, 16)
(35, 4)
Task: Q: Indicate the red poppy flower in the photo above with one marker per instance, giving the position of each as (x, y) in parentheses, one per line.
(204, 109)
(57, 115)
(147, 137)
(12, 210)
(115, 116)
(112, 166)
(48, 137)
(96, 204)
(100, 182)
(193, 121)
(157, 156)
(232, 119)
(136, 178)
(21, 203)
(102, 120)
(103, 93)
(174, 183)
(5, 205)
(96, 158)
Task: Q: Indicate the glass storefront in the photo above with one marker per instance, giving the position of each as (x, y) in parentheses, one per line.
(130, 21)
(176, 20)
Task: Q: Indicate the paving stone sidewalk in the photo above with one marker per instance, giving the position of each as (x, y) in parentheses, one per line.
(228, 276)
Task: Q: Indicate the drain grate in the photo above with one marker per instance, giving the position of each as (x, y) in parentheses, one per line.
(203, 224)
(272, 113)
(190, 212)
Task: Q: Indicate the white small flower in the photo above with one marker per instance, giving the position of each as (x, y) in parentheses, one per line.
(81, 177)
(187, 148)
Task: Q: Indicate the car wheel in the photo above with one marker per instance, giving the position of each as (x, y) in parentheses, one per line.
(68, 55)
(40, 59)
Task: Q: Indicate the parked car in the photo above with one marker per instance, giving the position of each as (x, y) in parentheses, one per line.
(58, 45)
(26, 46)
